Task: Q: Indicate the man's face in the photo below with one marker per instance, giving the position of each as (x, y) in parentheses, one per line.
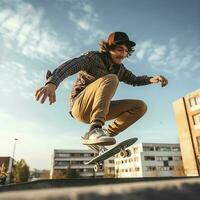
(118, 54)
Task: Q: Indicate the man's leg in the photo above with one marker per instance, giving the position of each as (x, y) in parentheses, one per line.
(125, 113)
(92, 106)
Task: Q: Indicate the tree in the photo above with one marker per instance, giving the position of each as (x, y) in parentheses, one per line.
(21, 172)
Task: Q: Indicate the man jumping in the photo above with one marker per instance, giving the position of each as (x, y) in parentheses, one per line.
(99, 73)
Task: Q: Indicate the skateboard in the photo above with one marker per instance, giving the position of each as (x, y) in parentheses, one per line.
(118, 148)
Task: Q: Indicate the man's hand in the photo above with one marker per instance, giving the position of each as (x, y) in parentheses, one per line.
(46, 91)
(157, 79)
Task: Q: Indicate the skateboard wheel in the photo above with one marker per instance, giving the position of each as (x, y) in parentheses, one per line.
(128, 152)
(98, 168)
(125, 153)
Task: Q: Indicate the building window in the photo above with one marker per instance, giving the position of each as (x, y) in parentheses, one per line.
(198, 142)
(195, 101)
(136, 159)
(61, 163)
(170, 158)
(84, 155)
(137, 169)
(165, 163)
(163, 148)
(135, 149)
(176, 149)
(148, 148)
(149, 157)
(196, 119)
(150, 168)
(165, 158)
(62, 155)
(177, 158)
(164, 168)
(159, 158)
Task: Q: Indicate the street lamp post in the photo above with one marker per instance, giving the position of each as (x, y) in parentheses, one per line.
(14, 148)
(11, 162)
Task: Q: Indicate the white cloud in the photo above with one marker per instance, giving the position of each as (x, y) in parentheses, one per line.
(83, 25)
(24, 29)
(16, 79)
(171, 58)
(87, 8)
(86, 21)
(144, 48)
(158, 53)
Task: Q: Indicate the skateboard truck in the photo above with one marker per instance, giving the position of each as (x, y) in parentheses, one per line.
(125, 153)
(99, 167)
(120, 148)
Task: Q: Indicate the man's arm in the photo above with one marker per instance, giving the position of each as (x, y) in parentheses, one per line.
(129, 78)
(64, 70)
(69, 68)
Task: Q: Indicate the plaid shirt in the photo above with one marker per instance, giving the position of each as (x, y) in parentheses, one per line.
(91, 66)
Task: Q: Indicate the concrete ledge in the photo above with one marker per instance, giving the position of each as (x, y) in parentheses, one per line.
(187, 189)
(56, 183)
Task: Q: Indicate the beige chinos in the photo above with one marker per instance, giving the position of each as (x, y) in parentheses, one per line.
(94, 106)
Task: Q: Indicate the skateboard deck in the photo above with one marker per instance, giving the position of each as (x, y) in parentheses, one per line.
(111, 152)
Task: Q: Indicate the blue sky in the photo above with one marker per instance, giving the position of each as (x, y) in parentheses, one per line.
(39, 35)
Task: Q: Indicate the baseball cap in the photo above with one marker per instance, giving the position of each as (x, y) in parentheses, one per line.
(119, 38)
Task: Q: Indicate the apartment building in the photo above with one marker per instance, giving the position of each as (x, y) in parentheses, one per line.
(187, 113)
(75, 159)
(150, 160)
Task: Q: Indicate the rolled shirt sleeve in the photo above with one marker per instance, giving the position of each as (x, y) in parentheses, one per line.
(129, 78)
(68, 68)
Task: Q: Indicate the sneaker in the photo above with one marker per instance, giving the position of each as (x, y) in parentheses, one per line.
(97, 136)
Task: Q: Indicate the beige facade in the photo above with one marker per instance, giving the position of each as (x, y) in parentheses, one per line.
(150, 160)
(187, 113)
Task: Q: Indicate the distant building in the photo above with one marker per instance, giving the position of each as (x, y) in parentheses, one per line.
(37, 174)
(74, 159)
(187, 112)
(150, 160)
